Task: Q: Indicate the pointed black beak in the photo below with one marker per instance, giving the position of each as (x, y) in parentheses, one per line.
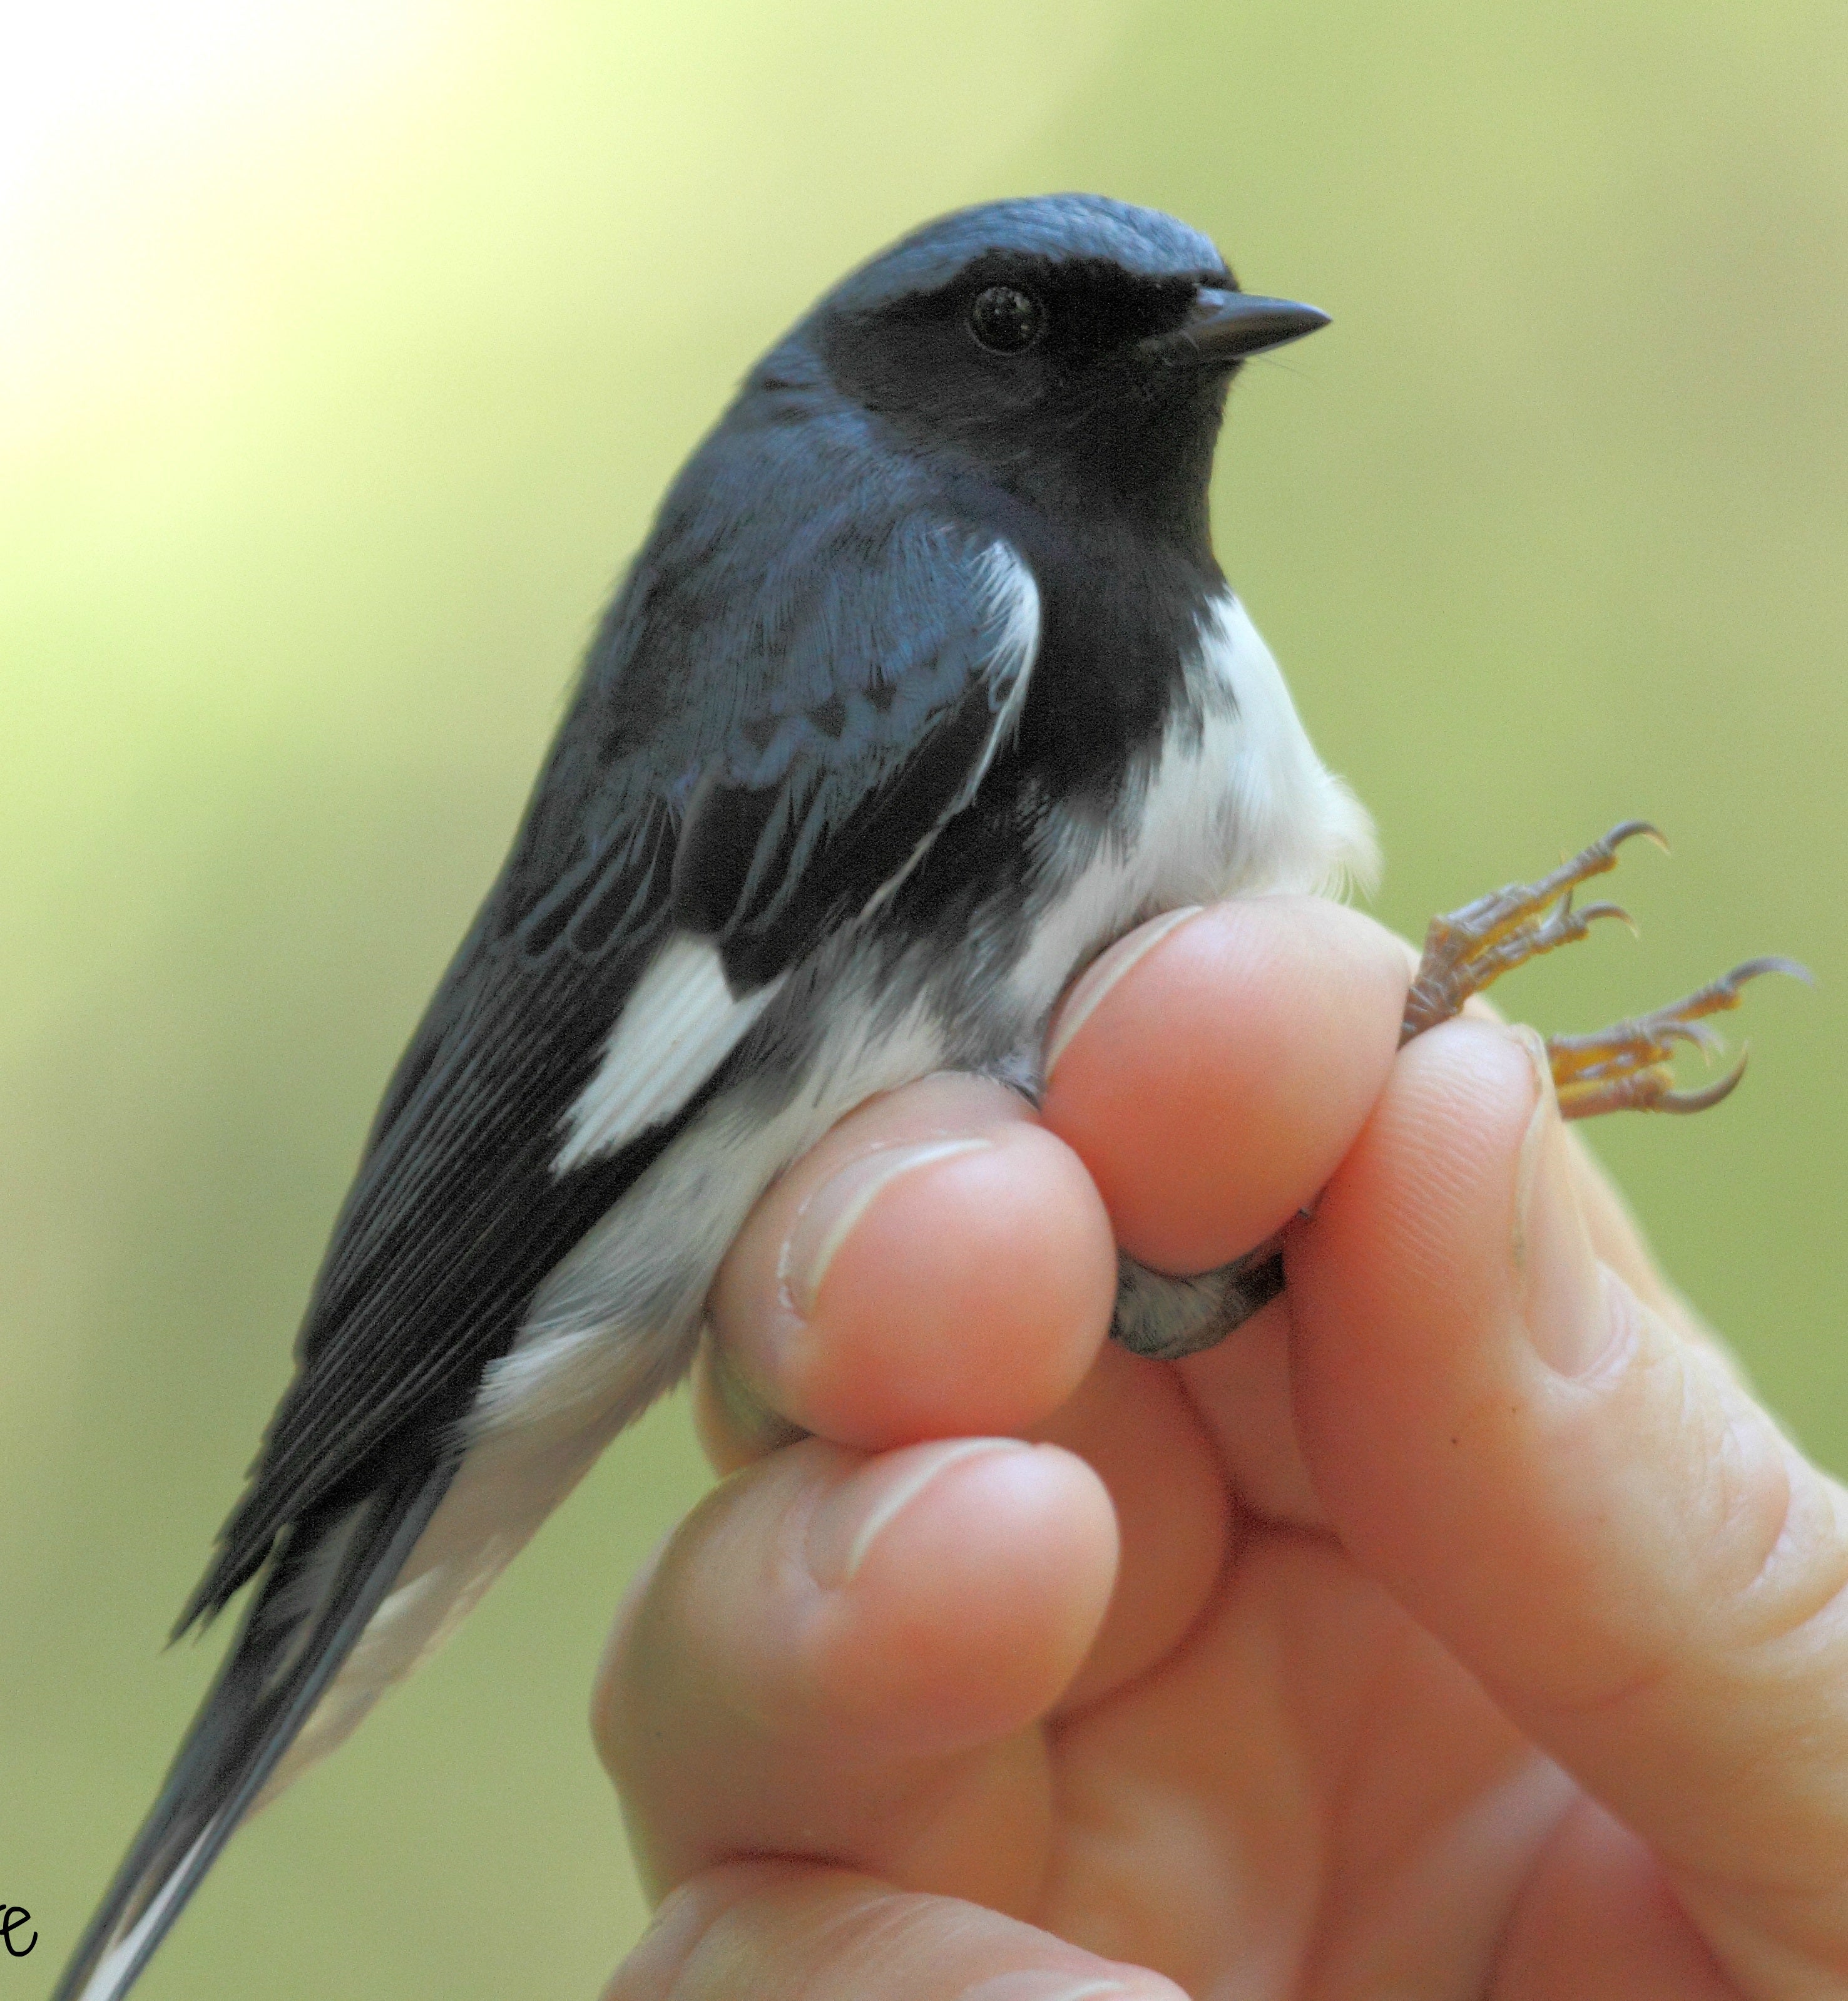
(1223, 327)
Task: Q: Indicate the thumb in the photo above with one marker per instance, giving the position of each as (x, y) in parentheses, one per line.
(1578, 1497)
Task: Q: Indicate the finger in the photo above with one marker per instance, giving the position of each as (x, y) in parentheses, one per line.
(1211, 1069)
(1597, 1920)
(967, 1293)
(940, 1265)
(845, 1657)
(1616, 1237)
(944, 1211)
(1242, 1389)
(1618, 1240)
(1211, 1072)
(778, 1931)
(1134, 1425)
(1131, 1423)
(1580, 1502)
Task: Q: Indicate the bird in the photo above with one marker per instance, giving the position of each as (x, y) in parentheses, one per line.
(925, 687)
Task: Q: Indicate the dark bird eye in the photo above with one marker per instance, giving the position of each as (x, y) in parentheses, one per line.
(1006, 320)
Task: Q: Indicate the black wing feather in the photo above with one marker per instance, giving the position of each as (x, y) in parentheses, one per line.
(780, 713)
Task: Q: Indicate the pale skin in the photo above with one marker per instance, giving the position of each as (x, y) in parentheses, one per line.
(1460, 1627)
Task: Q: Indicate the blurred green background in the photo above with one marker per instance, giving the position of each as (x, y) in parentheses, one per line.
(345, 350)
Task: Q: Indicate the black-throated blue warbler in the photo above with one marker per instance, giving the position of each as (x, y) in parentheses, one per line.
(925, 688)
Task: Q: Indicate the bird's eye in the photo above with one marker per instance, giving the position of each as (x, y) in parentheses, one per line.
(1006, 320)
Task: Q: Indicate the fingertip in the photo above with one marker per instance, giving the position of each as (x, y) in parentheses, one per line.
(971, 1300)
(965, 1583)
(847, 1656)
(1105, 972)
(928, 1277)
(1223, 1071)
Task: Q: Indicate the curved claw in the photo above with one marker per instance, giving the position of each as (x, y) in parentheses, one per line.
(1753, 967)
(1592, 912)
(1709, 1042)
(1629, 828)
(1701, 1101)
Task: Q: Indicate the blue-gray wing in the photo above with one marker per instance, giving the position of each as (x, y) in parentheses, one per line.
(744, 771)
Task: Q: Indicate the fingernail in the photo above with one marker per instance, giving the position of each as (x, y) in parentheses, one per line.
(1556, 1271)
(1105, 972)
(1038, 1984)
(826, 1219)
(851, 1519)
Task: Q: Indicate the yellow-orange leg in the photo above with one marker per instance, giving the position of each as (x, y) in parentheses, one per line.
(1628, 1066)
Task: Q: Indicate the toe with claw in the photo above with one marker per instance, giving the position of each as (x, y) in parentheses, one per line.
(1629, 1066)
(1626, 1067)
(1467, 949)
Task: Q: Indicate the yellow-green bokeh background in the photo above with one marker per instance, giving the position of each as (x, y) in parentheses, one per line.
(345, 349)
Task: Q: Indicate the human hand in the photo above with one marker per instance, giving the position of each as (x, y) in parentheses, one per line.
(1458, 1627)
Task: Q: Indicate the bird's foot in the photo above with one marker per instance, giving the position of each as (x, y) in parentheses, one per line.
(1468, 949)
(1628, 1066)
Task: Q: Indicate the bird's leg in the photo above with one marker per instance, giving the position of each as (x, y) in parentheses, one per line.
(1164, 1317)
(1628, 1066)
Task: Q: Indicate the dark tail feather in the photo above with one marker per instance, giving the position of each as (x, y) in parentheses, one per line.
(328, 1580)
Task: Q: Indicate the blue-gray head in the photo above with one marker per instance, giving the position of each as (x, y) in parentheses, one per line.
(1074, 349)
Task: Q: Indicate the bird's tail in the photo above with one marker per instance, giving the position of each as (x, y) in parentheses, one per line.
(325, 1584)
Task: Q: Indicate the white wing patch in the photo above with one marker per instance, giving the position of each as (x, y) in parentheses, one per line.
(683, 1020)
(679, 1024)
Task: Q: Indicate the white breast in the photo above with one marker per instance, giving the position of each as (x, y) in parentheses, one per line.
(1237, 804)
